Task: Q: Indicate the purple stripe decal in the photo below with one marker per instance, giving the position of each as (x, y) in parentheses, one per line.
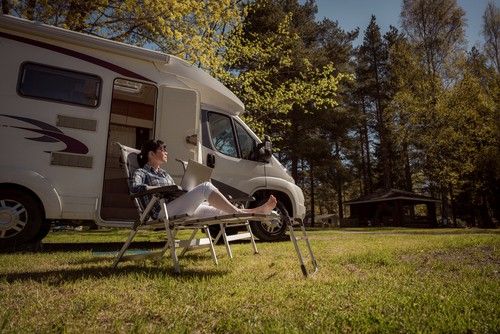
(79, 55)
(51, 134)
(72, 145)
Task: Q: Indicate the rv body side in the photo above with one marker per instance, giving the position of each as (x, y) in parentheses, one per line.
(67, 97)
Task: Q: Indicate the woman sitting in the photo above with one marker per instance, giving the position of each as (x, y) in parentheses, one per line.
(205, 200)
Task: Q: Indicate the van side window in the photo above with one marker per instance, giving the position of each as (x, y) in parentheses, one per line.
(221, 131)
(230, 137)
(59, 85)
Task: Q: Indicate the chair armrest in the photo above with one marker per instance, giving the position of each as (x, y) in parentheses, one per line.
(166, 191)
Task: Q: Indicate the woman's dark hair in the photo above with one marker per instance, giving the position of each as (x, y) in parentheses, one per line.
(150, 145)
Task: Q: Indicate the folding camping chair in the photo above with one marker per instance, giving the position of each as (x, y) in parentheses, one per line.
(173, 224)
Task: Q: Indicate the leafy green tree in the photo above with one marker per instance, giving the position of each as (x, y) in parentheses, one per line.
(384, 158)
(335, 45)
(279, 67)
(436, 32)
(411, 94)
(491, 33)
(274, 75)
(190, 29)
(400, 145)
(469, 142)
(478, 195)
(270, 69)
(436, 29)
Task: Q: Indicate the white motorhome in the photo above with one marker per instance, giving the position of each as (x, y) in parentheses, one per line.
(67, 97)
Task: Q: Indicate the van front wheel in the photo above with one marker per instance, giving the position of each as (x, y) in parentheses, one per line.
(20, 217)
(271, 230)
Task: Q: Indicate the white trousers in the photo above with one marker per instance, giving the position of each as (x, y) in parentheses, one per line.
(194, 203)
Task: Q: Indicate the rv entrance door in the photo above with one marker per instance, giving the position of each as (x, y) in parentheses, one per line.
(178, 125)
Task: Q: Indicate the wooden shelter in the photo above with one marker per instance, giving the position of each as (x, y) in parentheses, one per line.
(392, 207)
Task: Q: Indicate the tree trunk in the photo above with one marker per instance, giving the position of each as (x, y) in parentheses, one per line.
(369, 184)
(453, 209)
(445, 206)
(363, 172)
(406, 157)
(339, 183)
(311, 180)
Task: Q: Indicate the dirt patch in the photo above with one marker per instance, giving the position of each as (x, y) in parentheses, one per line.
(458, 258)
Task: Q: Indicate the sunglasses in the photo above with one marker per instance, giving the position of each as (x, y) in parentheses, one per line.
(162, 148)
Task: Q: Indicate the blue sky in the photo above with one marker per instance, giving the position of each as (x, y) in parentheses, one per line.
(357, 13)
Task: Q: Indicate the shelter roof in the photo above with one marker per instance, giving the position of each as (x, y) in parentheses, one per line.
(382, 195)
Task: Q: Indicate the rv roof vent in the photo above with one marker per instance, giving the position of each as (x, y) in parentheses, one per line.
(127, 86)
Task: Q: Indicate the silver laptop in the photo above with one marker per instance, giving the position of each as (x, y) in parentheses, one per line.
(195, 174)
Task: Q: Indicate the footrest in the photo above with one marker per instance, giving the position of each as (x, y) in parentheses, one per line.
(239, 236)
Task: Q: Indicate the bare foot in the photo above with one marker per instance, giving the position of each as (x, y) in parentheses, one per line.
(268, 206)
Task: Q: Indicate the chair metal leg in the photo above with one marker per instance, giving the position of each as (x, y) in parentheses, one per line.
(252, 239)
(226, 241)
(212, 248)
(170, 237)
(125, 246)
(171, 245)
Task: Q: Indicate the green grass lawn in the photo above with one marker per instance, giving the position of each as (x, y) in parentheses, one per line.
(370, 281)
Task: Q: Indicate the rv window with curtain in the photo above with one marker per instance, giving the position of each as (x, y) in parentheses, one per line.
(59, 85)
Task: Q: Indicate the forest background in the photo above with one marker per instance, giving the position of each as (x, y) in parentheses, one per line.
(412, 109)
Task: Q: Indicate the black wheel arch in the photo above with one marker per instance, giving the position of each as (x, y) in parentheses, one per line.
(273, 230)
(15, 186)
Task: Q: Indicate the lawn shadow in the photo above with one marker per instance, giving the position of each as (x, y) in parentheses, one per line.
(70, 275)
(41, 247)
(105, 253)
(98, 246)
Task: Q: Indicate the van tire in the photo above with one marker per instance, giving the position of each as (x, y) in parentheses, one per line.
(42, 232)
(20, 217)
(271, 231)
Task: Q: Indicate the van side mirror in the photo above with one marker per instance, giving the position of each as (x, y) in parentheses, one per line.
(264, 150)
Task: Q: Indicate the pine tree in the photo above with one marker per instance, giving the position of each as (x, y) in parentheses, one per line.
(374, 95)
(435, 29)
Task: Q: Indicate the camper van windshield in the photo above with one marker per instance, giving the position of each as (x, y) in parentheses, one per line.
(59, 85)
